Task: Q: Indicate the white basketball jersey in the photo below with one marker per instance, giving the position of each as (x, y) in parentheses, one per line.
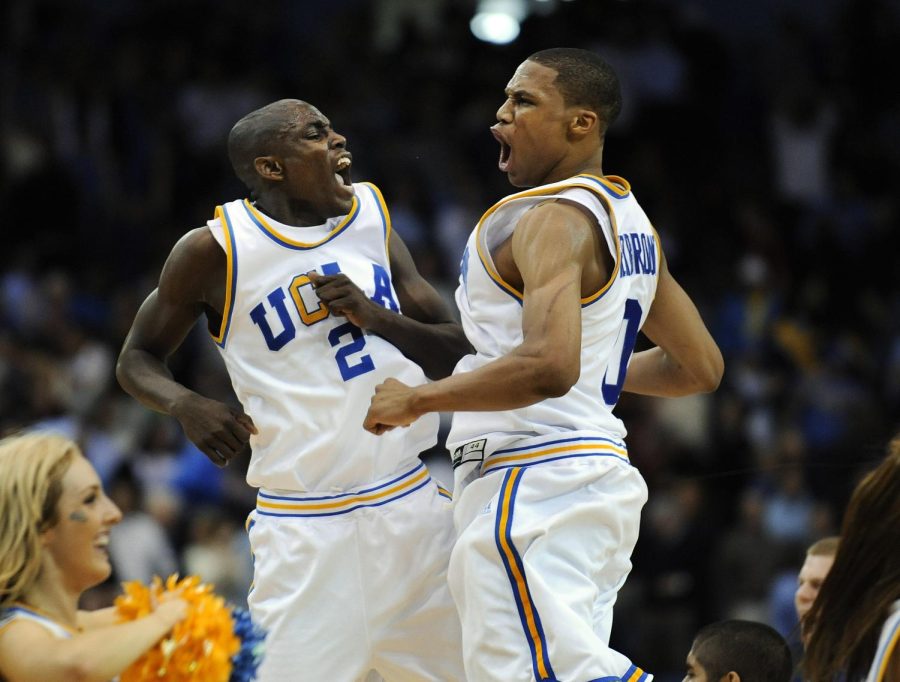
(491, 311)
(305, 376)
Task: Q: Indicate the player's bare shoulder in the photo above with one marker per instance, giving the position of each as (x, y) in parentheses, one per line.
(196, 269)
(199, 243)
(559, 226)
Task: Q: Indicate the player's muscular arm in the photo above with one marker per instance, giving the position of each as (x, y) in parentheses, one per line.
(192, 280)
(686, 359)
(164, 320)
(426, 333)
(551, 246)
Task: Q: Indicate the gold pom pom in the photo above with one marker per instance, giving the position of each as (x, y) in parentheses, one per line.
(200, 647)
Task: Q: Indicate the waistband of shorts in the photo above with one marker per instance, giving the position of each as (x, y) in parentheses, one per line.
(553, 449)
(376, 494)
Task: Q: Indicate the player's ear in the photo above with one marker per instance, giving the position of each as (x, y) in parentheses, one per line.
(269, 167)
(584, 122)
(730, 676)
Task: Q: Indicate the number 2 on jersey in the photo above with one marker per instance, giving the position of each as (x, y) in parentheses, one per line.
(627, 338)
(363, 363)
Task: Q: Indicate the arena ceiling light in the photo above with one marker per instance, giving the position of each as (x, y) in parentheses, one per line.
(498, 21)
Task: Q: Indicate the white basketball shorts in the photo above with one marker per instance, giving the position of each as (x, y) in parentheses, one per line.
(354, 585)
(542, 549)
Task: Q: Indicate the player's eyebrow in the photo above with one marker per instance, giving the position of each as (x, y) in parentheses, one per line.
(518, 92)
(317, 124)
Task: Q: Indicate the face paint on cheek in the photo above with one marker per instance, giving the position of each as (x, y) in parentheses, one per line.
(78, 516)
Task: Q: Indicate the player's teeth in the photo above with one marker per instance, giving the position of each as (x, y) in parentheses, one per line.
(343, 163)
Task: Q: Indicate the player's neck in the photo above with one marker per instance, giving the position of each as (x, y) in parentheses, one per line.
(289, 213)
(590, 164)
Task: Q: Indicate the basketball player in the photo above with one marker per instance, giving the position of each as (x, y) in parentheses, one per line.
(556, 281)
(302, 291)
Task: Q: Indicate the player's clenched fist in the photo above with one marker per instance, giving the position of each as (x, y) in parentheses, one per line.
(392, 405)
(218, 430)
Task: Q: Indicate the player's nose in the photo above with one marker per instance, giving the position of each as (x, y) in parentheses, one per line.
(337, 141)
(504, 113)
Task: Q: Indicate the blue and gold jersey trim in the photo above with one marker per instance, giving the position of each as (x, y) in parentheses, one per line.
(615, 186)
(230, 275)
(554, 450)
(302, 504)
(589, 182)
(248, 525)
(263, 224)
(596, 296)
(529, 615)
(618, 188)
(515, 571)
(385, 217)
(633, 674)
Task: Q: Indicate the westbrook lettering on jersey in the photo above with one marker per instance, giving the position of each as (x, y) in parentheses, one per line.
(308, 306)
(491, 313)
(638, 254)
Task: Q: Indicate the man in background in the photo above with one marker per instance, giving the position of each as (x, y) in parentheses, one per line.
(819, 558)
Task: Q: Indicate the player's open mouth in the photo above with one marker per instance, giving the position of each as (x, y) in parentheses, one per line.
(505, 152)
(342, 171)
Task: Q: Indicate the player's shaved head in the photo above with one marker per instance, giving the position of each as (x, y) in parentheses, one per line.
(258, 134)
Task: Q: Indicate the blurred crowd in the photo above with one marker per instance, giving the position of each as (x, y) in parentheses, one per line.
(766, 152)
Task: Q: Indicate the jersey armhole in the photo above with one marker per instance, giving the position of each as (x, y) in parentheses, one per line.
(385, 218)
(605, 222)
(223, 232)
(218, 231)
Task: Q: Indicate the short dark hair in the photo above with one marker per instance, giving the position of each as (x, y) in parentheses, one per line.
(584, 78)
(754, 651)
(258, 134)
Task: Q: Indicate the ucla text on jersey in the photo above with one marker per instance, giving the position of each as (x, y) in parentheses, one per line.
(305, 376)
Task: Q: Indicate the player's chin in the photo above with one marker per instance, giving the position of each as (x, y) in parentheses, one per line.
(517, 179)
(341, 204)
